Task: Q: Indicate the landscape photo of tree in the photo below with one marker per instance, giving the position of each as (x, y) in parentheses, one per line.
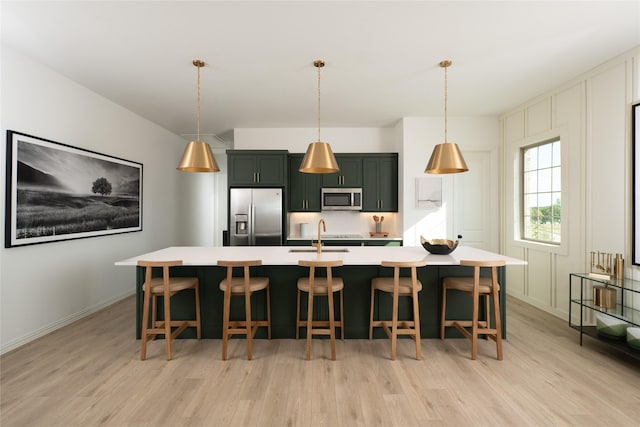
(59, 192)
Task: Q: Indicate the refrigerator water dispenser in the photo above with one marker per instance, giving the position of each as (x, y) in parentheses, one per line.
(241, 224)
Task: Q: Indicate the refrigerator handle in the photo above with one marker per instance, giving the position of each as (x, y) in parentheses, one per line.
(252, 232)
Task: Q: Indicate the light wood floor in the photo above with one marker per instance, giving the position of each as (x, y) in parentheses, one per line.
(89, 374)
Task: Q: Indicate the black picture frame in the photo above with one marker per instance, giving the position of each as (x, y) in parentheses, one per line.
(635, 138)
(57, 192)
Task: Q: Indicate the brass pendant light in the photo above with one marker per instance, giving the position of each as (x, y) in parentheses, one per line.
(446, 157)
(198, 156)
(319, 158)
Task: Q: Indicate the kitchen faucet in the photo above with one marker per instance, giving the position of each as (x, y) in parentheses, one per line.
(319, 244)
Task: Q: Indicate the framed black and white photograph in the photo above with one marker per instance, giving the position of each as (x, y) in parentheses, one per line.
(58, 192)
(635, 135)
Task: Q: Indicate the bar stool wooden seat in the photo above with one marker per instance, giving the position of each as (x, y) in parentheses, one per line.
(165, 287)
(398, 287)
(476, 287)
(320, 286)
(245, 286)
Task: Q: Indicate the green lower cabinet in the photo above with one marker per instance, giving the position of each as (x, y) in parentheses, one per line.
(357, 300)
(329, 242)
(383, 242)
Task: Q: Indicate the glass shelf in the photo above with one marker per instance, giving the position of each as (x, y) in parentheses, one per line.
(626, 284)
(627, 314)
(627, 307)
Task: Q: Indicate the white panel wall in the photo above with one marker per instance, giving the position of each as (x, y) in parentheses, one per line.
(607, 108)
(43, 287)
(591, 115)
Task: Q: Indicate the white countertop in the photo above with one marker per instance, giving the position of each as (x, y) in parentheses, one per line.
(281, 255)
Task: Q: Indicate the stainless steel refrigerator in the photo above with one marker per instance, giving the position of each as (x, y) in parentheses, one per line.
(255, 217)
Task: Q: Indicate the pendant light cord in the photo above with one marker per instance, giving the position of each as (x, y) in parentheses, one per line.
(319, 104)
(445, 103)
(198, 113)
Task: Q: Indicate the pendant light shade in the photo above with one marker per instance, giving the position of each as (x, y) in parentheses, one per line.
(319, 157)
(198, 156)
(446, 157)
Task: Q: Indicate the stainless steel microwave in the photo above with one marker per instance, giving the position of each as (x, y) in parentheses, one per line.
(341, 199)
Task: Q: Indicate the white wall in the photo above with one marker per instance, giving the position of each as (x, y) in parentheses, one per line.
(592, 115)
(478, 139)
(413, 138)
(204, 205)
(296, 140)
(43, 287)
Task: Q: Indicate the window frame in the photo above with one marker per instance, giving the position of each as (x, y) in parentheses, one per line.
(518, 240)
(522, 196)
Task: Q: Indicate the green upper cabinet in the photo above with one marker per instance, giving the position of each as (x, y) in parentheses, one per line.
(257, 168)
(304, 188)
(380, 183)
(350, 174)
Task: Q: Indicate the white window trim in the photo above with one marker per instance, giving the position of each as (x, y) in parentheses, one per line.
(563, 247)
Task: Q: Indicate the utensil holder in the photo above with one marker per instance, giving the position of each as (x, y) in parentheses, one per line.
(378, 227)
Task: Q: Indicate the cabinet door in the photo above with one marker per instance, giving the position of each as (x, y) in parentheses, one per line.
(350, 174)
(242, 170)
(388, 184)
(380, 184)
(304, 188)
(370, 201)
(383, 242)
(270, 169)
(257, 169)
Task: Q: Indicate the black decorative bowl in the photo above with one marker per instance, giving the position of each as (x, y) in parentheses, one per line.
(439, 246)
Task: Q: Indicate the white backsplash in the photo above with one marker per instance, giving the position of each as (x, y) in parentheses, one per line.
(342, 222)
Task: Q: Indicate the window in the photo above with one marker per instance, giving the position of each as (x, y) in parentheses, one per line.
(541, 195)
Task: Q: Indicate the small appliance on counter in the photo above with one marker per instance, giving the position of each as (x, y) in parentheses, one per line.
(255, 217)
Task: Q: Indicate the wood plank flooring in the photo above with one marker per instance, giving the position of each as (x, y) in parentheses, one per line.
(89, 374)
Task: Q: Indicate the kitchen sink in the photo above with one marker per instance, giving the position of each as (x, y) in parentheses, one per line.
(311, 250)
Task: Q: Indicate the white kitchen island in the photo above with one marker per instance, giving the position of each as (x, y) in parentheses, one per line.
(280, 264)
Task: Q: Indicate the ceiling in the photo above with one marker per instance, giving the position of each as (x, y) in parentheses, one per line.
(381, 57)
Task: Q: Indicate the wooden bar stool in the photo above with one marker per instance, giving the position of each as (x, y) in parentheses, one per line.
(398, 287)
(165, 287)
(476, 286)
(320, 286)
(242, 286)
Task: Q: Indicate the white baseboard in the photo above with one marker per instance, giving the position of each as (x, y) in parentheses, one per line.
(19, 342)
(562, 314)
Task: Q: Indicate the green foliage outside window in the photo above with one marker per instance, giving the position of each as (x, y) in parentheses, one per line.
(541, 195)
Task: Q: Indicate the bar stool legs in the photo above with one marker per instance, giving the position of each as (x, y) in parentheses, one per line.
(476, 287)
(242, 286)
(320, 286)
(398, 286)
